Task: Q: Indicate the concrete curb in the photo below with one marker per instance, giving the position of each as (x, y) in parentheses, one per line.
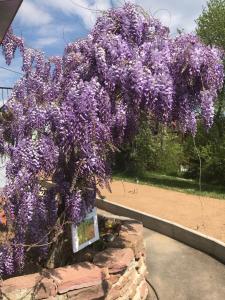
(195, 239)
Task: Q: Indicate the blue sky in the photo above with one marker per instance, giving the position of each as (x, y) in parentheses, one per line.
(50, 24)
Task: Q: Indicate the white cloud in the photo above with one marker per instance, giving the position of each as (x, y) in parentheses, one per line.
(31, 14)
(52, 34)
(82, 8)
(175, 14)
(101, 5)
(45, 41)
(168, 19)
(55, 29)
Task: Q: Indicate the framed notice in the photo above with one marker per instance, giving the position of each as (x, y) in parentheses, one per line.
(86, 232)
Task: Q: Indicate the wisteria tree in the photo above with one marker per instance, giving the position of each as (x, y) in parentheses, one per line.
(68, 115)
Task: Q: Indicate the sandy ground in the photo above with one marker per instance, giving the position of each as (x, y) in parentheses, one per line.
(203, 214)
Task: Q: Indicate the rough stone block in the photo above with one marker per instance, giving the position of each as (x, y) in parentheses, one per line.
(143, 288)
(126, 285)
(143, 271)
(133, 227)
(130, 236)
(113, 279)
(126, 276)
(90, 293)
(116, 260)
(141, 267)
(127, 240)
(119, 291)
(27, 287)
(140, 254)
(77, 276)
(141, 291)
(140, 262)
(45, 288)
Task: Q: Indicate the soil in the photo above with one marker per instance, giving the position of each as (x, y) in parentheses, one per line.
(204, 214)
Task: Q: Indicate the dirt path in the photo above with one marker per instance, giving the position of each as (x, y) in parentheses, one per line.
(204, 214)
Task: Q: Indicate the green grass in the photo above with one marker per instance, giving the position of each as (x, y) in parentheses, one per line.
(188, 186)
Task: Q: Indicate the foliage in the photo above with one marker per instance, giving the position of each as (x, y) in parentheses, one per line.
(211, 145)
(211, 30)
(68, 115)
(154, 148)
(211, 23)
(189, 186)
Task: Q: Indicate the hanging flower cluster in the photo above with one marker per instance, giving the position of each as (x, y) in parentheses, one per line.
(67, 115)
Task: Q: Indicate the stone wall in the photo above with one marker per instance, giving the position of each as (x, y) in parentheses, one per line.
(116, 273)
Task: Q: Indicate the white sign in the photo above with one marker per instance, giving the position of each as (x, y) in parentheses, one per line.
(86, 232)
(3, 161)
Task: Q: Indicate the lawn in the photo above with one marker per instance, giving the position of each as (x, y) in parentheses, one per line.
(188, 186)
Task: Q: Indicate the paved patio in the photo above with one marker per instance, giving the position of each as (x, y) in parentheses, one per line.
(179, 272)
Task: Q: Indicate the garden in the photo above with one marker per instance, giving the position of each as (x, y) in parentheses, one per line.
(67, 118)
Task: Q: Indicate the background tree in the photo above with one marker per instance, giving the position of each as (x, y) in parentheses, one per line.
(211, 144)
(211, 23)
(211, 30)
(155, 148)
